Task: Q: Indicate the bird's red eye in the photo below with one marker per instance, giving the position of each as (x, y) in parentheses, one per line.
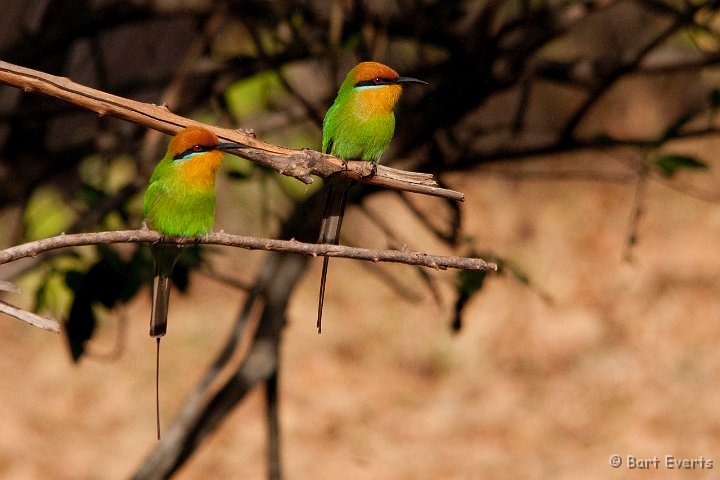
(197, 148)
(377, 80)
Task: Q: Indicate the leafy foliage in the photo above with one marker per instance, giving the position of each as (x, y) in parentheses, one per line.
(111, 280)
(469, 283)
(108, 281)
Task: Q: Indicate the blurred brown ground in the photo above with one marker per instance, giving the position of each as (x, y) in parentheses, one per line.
(625, 360)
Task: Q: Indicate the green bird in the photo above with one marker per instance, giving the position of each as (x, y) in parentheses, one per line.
(358, 126)
(180, 202)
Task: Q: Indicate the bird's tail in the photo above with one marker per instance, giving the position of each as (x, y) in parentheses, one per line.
(338, 189)
(165, 257)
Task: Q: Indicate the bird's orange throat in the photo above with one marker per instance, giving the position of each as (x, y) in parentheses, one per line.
(381, 100)
(199, 172)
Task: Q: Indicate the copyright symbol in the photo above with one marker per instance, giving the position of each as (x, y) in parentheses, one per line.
(615, 461)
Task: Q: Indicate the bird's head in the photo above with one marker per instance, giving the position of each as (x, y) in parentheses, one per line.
(197, 152)
(376, 87)
(196, 141)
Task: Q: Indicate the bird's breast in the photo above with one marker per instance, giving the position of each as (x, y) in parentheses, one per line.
(359, 137)
(199, 173)
(375, 100)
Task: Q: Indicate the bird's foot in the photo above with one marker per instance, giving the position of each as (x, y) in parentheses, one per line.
(369, 172)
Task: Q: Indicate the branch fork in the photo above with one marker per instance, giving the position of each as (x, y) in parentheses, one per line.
(301, 164)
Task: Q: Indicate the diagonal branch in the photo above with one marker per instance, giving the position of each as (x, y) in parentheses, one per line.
(251, 243)
(624, 68)
(300, 164)
(34, 319)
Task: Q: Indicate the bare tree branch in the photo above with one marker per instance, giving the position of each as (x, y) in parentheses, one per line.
(226, 383)
(300, 164)
(251, 243)
(9, 287)
(33, 319)
(29, 317)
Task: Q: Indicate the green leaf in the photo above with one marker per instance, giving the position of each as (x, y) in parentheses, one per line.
(238, 168)
(254, 94)
(47, 213)
(669, 164)
(89, 195)
(108, 281)
(673, 130)
(469, 283)
(80, 326)
(294, 188)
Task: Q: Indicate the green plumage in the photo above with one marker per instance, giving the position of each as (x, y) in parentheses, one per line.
(173, 207)
(358, 126)
(351, 135)
(180, 202)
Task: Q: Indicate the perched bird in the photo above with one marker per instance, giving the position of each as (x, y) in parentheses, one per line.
(180, 202)
(358, 126)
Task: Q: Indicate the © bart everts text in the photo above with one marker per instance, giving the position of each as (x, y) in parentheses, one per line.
(666, 462)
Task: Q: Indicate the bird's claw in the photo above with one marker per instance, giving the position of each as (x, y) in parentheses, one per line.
(371, 173)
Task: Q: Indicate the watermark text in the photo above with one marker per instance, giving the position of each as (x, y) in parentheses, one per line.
(665, 462)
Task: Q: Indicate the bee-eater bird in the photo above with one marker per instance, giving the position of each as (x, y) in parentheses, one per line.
(358, 126)
(180, 202)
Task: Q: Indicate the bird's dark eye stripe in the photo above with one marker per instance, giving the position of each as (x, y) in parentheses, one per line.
(193, 149)
(375, 81)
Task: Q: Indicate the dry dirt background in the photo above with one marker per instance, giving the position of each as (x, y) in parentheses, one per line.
(624, 360)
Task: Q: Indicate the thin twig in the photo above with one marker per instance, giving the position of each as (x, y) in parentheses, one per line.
(33, 319)
(9, 287)
(251, 243)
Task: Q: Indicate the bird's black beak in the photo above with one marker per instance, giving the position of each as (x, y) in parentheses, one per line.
(409, 80)
(228, 146)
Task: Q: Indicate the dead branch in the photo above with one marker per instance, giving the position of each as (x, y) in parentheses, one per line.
(300, 164)
(27, 317)
(33, 319)
(251, 243)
